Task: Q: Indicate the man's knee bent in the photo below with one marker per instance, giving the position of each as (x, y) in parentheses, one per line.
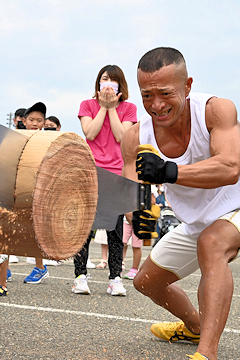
(208, 246)
(217, 242)
(152, 278)
(137, 282)
(144, 280)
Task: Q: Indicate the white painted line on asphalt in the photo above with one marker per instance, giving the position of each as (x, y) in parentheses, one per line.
(232, 331)
(195, 292)
(73, 312)
(82, 313)
(58, 277)
(126, 282)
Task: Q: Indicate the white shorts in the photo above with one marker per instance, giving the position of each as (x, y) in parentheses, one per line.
(177, 252)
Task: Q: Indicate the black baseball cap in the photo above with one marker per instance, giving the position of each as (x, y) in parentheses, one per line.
(41, 107)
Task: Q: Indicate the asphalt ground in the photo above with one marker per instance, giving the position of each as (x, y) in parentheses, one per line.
(47, 321)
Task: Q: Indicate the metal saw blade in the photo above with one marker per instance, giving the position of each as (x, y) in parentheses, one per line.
(118, 195)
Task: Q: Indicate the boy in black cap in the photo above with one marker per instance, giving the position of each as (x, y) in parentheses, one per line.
(34, 116)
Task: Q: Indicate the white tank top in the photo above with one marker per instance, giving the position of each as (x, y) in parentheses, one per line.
(196, 208)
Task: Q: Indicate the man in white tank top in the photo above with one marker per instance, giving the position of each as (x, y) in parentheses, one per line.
(193, 148)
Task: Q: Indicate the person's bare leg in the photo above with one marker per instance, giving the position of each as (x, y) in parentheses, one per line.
(217, 245)
(157, 284)
(104, 252)
(124, 251)
(3, 273)
(39, 263)
(137, 255)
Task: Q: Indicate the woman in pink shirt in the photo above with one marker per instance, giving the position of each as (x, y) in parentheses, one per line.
(104, 119)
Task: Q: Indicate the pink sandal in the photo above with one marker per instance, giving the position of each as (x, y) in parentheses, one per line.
(102, 265)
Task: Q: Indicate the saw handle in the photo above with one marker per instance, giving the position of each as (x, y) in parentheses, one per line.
(145, 202)
(144, 197)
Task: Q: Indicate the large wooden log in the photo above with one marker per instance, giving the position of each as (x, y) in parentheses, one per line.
(55, 197)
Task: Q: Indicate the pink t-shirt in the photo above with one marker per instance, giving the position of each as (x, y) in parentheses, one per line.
(106, 150)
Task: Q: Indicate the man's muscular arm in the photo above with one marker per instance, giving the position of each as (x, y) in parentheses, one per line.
(223, 168)
(143, 221)
(129, 148)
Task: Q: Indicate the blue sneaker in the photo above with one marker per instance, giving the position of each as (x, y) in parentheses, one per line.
(36, 276)
(9, 275)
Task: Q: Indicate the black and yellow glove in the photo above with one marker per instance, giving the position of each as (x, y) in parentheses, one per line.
(144, 223)
(152, 169)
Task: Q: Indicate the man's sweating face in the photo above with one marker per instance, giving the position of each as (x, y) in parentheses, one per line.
(164, 93)
(34, 121)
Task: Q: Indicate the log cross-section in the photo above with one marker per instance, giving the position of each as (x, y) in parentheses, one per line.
(56, 197)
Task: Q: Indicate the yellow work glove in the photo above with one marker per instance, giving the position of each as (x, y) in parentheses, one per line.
(144, 222)
(152, 169)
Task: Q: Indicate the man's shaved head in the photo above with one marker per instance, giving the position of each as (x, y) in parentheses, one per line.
(155, 59)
